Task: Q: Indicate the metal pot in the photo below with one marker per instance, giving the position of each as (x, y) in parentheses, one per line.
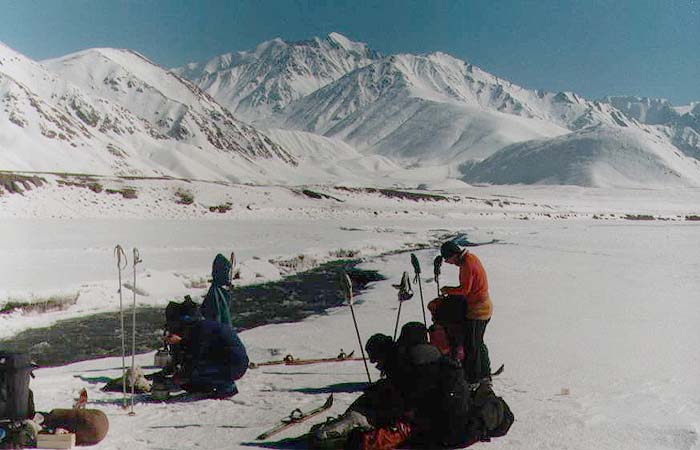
(162, 358)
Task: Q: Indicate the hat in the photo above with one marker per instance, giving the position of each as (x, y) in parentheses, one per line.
(449, 249)
(413, 333)
(378, 346)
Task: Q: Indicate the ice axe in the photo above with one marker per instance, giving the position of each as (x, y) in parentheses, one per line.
(437, 264)
(346, 283)
(405, 293)
(416, 269)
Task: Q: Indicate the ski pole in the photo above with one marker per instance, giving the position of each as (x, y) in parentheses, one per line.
(405, 293)
(119, 253)
(416, 269)
(347, 287)
(396, 327)
(137, 260)
(437, 264)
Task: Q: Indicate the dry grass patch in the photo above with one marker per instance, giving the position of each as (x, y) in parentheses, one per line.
(40, 305)
(17, 184)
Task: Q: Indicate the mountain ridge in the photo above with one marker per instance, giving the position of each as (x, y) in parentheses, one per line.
(328, 110)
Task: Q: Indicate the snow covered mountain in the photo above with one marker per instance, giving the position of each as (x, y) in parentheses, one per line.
(49, 124)
(438, 108)
(680, 124)
(256, 83)
(655, 111)
(601, 156)
(330, 110)
(114, 112)
(176, 107)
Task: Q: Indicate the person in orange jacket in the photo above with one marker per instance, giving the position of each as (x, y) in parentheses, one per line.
(474, 287)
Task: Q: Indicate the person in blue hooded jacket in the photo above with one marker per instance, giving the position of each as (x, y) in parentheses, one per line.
(216, 357)
(216, 302)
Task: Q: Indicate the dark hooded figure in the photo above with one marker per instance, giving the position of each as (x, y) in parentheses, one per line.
(216, 302)
(215, 357)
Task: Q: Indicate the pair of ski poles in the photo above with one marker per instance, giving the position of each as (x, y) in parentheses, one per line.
(405, 287)
(122, 264)
(404, 294)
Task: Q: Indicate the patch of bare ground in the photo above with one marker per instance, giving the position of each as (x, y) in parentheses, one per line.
(399, 194)
(17, 184)
(42, 305)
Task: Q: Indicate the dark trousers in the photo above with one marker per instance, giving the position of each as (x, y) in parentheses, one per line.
(476, 360)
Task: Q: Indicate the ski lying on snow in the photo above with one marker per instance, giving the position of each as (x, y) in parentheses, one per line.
(289, 360)
(295, 417)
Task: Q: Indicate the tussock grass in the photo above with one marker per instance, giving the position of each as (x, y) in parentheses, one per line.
(40, 305)
(184, 197)
(17, 184)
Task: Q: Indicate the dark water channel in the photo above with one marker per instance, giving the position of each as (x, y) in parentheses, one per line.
(288, 300)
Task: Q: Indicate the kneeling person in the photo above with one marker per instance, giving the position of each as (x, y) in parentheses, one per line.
(216, 358)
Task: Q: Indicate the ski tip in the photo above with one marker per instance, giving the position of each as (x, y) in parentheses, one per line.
(329, 402)
(498, 371)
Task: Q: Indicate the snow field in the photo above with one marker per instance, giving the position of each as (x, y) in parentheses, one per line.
(596, 323)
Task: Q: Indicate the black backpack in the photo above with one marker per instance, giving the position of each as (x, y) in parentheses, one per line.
(490, 416)
(179, 317)
(454, 403)
(441, 399)
(15, 396)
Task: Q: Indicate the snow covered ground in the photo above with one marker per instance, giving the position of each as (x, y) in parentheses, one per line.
(595, 315)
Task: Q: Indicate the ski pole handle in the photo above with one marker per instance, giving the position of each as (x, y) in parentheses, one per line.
(346, 284)
(119, 253)
(437, 264)
(416, 269)
(416, 264)
(137, 257)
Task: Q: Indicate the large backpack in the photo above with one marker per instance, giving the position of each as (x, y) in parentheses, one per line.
(454, 402)
(441, 398)
(447, 331)
(179, 316)
(490, 416)
(15, 396)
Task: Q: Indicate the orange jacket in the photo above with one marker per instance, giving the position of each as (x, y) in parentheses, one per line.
(474, 286)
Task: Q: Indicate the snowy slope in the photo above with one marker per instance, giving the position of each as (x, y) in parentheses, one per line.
(51, 124)
(655, 111)
(412, 108)
(441, 78)
(255, 83)
(681, 125)
(327, 160)
(173, 105)
(597, 157)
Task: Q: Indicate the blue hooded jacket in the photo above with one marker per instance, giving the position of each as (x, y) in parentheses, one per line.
(216, 303)
(218, 357)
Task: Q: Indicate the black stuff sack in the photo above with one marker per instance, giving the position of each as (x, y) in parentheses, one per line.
(15, 370)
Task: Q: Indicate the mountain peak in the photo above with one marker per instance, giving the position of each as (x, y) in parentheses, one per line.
(346, 43)
(254, 84)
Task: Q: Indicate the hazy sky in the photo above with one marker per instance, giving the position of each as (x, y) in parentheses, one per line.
(592, 47)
